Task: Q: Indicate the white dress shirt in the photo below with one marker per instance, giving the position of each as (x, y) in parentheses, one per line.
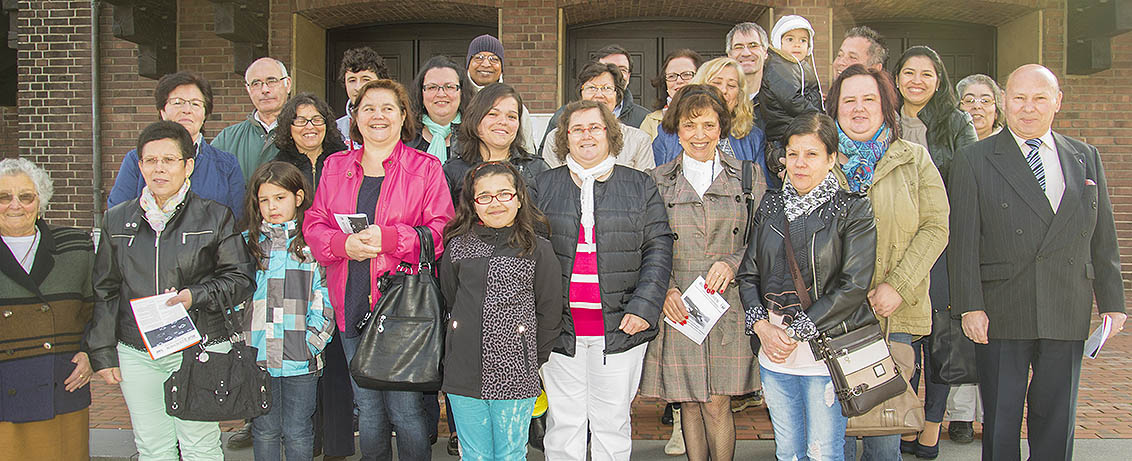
(1055, 178)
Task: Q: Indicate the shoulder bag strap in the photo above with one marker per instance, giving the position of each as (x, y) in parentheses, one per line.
(748, 195)
(795, 273)
(427, 260)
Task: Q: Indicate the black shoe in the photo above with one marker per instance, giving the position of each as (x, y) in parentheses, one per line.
(908, 446)
(961, 431)
(453, 446)
(537, 432)
(926, 452)
(666, 417)
(241, 438)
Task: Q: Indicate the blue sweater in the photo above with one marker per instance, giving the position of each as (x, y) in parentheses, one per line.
(216, 177)
(666, 147)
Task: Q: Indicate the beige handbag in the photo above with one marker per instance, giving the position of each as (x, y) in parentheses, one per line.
(903, 414)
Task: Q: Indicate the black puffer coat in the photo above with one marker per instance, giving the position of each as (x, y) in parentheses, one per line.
(634, 249)
(842, 247)
(200, 249)
(455, 169)
(789, 88)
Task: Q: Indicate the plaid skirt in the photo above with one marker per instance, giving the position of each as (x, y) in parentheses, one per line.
(679, 370)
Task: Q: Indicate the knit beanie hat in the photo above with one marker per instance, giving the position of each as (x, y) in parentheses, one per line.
(487, 43)
(788, 23)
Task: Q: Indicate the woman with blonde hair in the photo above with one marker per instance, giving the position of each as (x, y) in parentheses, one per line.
(745, 141)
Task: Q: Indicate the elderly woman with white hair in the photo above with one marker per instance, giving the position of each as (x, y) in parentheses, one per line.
(45, 304)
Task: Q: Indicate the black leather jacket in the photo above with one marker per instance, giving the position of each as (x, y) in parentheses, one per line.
(842, 248)
(634, 249)
(956, 132)
(200, 249)
(455, 169)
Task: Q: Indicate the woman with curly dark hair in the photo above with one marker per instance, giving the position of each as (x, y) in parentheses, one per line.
(311, 136)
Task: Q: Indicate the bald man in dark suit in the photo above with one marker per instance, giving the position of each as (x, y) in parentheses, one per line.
(1032, 243)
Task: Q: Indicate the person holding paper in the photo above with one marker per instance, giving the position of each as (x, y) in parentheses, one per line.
(45, 303)
(167, 240)
(1033, 244)
(609, 228)
(396, 188)
(833, 236)
(708, 213)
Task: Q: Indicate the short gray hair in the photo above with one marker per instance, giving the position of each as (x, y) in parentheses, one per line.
(282, 67)
(878, 53)
(38, 176)
(746, 27)
(982, 79)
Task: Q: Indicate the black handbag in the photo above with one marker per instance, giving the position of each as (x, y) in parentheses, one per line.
(860, 364)
(952, 352)
(213, 386)
(402, 340)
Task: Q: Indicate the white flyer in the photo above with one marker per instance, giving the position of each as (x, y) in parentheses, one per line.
(703, 311)
(165, 329)
(352, 223)
(1096, 340)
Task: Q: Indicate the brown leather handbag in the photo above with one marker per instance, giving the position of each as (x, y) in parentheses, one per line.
(874, 395)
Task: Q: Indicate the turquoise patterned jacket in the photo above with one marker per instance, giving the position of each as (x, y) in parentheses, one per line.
(289, 318)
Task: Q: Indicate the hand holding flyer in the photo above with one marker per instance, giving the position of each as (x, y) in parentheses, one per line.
(1096, 340)
(164, 329)
(704, 310)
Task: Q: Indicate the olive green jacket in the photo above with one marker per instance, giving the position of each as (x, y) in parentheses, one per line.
(911, 212)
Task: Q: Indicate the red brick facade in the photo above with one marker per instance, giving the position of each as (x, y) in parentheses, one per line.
(53, 122)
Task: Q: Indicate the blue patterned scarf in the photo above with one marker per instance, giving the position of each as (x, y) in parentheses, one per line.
(863, 157)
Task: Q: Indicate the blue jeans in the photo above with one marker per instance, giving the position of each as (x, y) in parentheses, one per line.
(806, 416)
(379, 412)
(879, 447)
(492, 429)
(293, 399)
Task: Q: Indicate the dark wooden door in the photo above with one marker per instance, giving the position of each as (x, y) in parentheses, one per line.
(964, 48)
(648, 42)
(403, 46)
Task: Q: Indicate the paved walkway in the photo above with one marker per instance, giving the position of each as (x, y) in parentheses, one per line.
(1104, 408)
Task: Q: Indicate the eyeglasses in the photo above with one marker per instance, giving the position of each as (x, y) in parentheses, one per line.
(151, 162)
(271, 82)
(491, 58)
(180, 103)
(685, 76)
(26, 198)
(593, 130)
(502, 197)
(753, 46)
(447, 88)
(317, 120)
(971, 101)
(591, 89)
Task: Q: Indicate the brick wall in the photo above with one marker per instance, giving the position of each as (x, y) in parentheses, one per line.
(530, 39)
(54, 101)
(9, 132)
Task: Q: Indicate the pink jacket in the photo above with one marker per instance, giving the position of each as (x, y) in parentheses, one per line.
(413, 193)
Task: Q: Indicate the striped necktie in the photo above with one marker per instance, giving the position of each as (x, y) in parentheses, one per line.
(1035, 161)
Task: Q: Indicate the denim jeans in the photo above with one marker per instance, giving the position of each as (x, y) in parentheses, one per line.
(288, 426)
(880, 447)
(806, 416)
(493, 429)
(379, 412)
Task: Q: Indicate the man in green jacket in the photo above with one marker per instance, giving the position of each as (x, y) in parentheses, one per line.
(252, 141)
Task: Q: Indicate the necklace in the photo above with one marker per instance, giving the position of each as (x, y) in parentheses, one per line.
(27, 254)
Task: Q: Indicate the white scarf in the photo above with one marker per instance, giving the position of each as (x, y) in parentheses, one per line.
(588, 177)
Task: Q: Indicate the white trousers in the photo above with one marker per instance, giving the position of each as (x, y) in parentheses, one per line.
(595, 392)
(964, 403)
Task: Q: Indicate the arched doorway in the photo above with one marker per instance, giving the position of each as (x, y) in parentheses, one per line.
(403, 46)
(648, 41)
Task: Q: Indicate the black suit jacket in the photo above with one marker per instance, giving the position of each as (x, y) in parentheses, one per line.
(1033, 271)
